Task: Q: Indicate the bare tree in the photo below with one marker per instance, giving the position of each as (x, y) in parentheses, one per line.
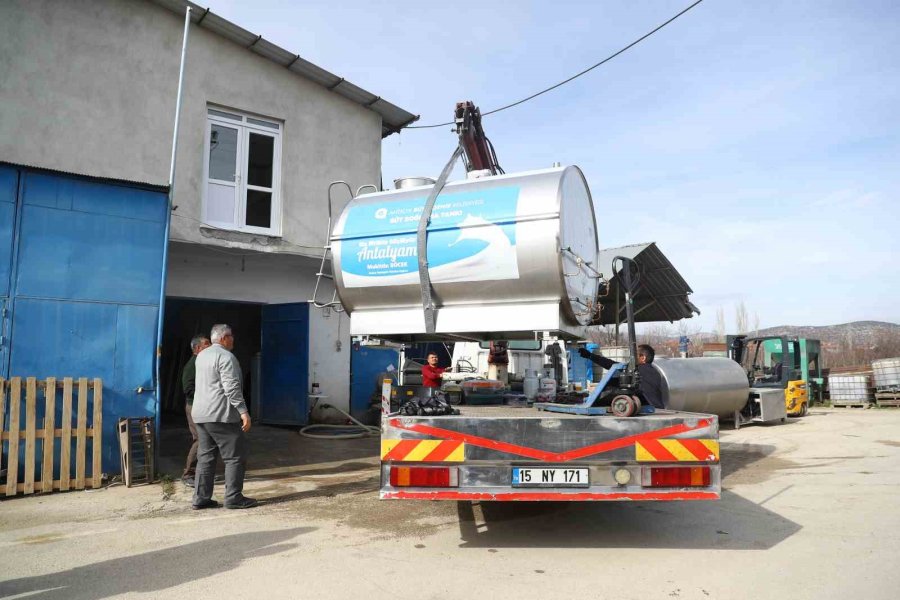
(604, 335)
(693, 332)
(658, 335)
(859, 351)
(741, 317)
(755, 323)
(720, 324)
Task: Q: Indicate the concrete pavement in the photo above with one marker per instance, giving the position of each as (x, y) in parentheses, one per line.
(809, 510)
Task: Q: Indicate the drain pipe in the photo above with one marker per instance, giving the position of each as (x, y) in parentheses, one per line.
(170, 198)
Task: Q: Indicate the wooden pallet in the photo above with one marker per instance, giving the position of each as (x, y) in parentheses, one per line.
(887, 399)
(41, 437)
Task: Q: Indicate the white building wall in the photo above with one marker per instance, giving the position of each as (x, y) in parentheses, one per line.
(210, 273)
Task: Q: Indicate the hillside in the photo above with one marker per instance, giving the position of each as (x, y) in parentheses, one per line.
(857, 332)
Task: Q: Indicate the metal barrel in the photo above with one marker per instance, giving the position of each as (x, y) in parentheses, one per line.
(713, 385)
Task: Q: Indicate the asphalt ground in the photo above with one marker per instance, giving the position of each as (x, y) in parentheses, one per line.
(809, 510)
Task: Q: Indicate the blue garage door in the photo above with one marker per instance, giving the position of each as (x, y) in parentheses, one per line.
(368, 364)
(82, 286)
(284, 377)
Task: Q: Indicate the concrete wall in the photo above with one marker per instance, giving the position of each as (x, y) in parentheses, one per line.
(88, 86)
(209, 273)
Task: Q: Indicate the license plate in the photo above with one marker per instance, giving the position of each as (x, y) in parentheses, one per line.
(550, 477)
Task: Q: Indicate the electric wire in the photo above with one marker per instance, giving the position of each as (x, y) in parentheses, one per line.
(572, 78)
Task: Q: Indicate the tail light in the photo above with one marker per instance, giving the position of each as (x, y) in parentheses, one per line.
(443, 477)
(671, 477)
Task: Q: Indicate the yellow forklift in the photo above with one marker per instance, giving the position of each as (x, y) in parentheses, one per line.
(790, 363)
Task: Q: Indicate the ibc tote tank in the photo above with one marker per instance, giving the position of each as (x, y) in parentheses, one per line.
(496, 256)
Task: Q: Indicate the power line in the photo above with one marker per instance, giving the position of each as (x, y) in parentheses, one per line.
(573, 77)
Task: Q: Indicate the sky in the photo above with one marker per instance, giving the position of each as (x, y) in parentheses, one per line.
(757, 143)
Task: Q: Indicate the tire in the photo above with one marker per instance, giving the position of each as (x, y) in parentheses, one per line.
(622, 406)
(804, 408)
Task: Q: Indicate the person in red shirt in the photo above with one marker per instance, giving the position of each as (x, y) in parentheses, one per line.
(431, 373)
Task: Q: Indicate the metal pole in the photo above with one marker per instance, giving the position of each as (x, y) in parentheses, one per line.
(184, 43)
(617, 312)
(165, 256)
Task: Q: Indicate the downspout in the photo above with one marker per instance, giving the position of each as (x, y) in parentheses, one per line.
(169, 199)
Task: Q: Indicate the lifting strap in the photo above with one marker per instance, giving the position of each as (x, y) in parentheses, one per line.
(422, 242)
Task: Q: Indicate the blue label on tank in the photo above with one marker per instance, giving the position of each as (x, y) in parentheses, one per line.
(471, 237)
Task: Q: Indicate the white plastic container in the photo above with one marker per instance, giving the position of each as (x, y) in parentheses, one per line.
(531, 384)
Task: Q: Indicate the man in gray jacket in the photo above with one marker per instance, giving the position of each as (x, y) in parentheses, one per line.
(221, 417)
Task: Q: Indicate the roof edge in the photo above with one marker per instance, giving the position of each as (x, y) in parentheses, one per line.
(393, 118)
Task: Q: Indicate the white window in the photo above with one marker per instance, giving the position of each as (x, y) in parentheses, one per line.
(242, 173)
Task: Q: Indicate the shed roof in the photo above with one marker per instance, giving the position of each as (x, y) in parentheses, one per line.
(662, 293)
(393, 118)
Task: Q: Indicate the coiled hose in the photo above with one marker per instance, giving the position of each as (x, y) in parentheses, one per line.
(339, 432)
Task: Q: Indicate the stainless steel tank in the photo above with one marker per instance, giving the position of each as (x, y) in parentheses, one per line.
(403, 183)
(711, 385)
(504, 258)
(886, 373)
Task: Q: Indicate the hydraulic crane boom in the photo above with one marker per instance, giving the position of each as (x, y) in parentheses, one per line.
(479, 151)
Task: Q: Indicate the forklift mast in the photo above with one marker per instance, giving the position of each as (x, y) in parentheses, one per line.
(479, 152)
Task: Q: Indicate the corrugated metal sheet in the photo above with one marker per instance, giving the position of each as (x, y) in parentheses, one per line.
(9, 183)
(662, 293)
(84, 287)
(393, 117)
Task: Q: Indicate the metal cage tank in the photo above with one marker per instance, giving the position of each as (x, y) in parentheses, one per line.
(508, 256)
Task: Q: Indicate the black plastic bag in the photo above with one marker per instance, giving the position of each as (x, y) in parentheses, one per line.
(435, 406)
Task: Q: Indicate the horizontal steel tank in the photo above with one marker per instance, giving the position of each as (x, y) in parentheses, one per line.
(713, 385)
(506, 258)
(886, 372)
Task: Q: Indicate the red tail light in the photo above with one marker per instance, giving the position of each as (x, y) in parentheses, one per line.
(442, 477)
(675, 477)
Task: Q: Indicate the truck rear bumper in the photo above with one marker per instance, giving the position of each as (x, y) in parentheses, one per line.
(522, 455)
(493, 482)
(532, 496)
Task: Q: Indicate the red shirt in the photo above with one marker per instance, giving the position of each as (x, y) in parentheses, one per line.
(431, 376)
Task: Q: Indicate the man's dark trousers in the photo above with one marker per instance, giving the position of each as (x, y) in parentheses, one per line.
(227, 440)
(190, 467)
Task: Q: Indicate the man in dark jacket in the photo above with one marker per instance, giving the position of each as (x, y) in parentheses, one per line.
(199, 343)
(651, 382)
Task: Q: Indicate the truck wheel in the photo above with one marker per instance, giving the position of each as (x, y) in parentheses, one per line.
(622, 406)
(804, 408)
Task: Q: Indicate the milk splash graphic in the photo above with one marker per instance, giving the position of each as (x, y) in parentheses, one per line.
(471, 237)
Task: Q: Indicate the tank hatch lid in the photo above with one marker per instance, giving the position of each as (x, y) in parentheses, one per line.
(662, 295)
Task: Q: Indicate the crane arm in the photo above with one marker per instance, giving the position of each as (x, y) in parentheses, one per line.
(479, 152)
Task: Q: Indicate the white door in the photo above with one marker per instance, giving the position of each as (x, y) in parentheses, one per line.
(223, 175)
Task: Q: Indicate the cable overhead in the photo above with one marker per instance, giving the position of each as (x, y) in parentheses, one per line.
(573, 77)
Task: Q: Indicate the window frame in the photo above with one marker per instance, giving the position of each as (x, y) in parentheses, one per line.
(244, 123)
